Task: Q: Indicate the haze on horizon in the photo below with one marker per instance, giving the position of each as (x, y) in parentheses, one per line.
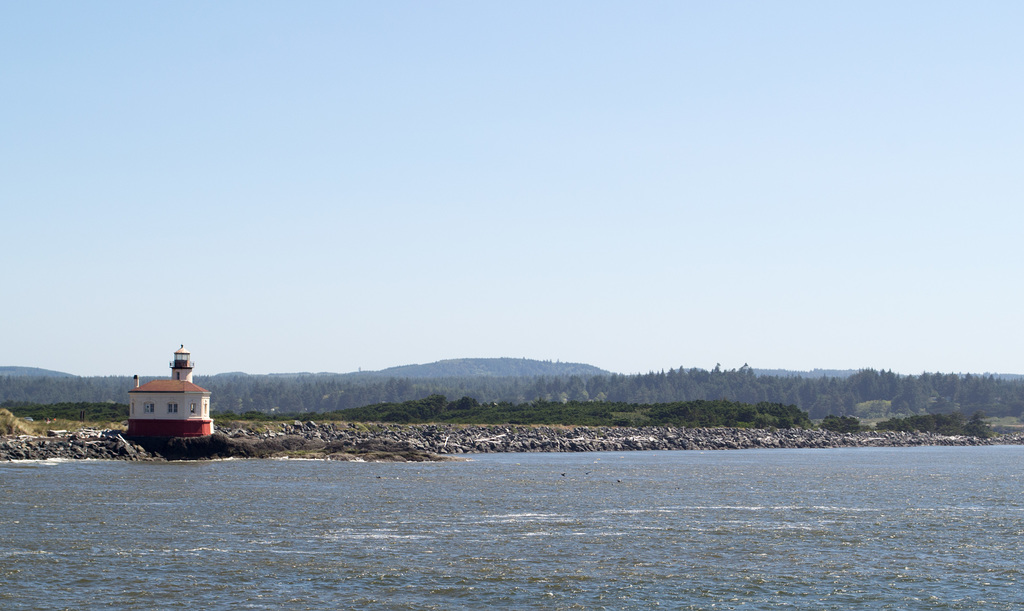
(333, 186)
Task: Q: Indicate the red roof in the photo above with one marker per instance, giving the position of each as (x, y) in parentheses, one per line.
(169, 386)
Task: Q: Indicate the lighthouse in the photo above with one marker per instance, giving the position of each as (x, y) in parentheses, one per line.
(170, 408)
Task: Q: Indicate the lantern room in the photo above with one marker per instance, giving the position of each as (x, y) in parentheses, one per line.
(181, 366)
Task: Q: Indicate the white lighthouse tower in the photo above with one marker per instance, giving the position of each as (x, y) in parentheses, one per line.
(170, 408)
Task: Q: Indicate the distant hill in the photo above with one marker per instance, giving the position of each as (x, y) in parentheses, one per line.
(34, 372)
(495, 367)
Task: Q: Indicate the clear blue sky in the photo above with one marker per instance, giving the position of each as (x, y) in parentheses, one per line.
(327, 186)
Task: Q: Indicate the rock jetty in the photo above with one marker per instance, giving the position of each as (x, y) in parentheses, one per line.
(79, 445)
(456, 439)
(391, 442)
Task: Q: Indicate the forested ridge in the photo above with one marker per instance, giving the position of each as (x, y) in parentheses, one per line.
(866, 394)
(502, 367)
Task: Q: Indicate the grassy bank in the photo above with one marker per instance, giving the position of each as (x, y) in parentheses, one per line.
(11, 424)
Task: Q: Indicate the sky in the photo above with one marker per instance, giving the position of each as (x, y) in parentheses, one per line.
(334, 186)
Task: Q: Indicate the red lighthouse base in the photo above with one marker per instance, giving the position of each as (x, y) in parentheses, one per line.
(170, 428)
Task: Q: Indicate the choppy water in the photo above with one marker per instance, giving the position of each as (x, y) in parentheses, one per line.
(935, 528)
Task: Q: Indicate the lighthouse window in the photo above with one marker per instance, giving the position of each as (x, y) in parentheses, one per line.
(193, 408)
(172, 408)
(149, 408)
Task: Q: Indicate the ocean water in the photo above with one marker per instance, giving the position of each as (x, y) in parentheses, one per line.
(921, 528)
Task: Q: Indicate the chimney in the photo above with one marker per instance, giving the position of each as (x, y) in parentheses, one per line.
(136, 381)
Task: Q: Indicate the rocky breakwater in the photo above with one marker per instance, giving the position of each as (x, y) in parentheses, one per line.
(310, 442)
(79, 445)
(404, 443)
(454, 439)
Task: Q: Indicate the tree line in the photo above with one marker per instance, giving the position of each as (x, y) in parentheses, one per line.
(692, 414)
(437, 408)
(92, 412)
(954, 423)
(866, 394)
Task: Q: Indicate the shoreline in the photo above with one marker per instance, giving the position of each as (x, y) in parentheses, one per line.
(440, 442)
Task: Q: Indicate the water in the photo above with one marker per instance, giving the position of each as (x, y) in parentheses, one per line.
(935, 528)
